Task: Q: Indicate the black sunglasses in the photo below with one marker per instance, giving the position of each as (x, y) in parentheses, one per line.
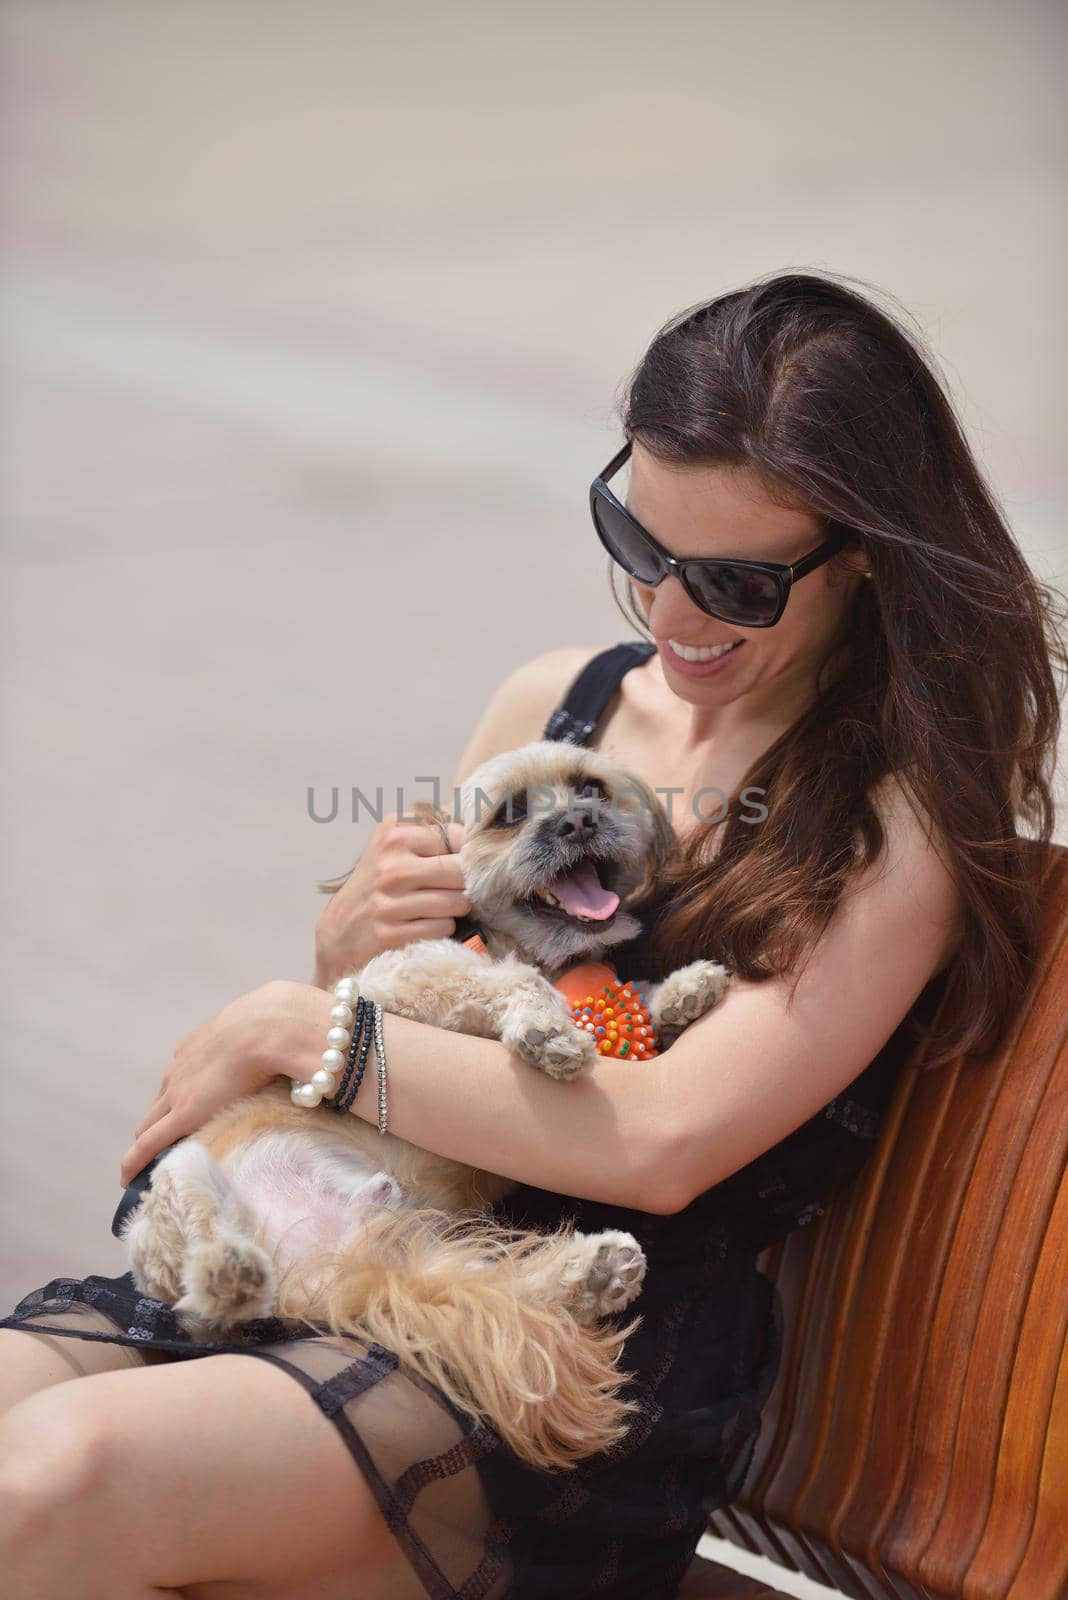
(749, 594)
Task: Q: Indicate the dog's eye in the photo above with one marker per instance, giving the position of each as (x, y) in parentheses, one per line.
(590, 788)
(511, 811)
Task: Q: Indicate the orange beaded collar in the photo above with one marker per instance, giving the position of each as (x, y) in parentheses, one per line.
(614, 1012)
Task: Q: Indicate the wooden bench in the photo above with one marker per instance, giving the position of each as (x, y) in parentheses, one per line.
(915, 1446)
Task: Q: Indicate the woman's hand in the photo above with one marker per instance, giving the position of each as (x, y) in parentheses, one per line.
(405, 886)
(279, 1028)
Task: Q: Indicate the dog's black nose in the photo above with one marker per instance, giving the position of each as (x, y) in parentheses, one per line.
(576, 825)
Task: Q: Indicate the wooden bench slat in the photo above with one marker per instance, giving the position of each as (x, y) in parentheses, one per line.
(916, 1441)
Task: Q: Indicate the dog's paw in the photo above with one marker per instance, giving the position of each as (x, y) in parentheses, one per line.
(687, 994)
(614, 1275)
(227, 1282)
(551, 1043)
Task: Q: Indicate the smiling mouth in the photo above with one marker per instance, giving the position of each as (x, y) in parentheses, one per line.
(577, 896)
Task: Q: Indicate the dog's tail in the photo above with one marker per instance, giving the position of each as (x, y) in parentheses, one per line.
(457, 1301)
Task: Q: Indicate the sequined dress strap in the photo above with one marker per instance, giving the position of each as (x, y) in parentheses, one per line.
(578, 714)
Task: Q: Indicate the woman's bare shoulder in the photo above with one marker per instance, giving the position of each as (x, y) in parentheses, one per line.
(904, 816)
(915, 842)
(519, 707)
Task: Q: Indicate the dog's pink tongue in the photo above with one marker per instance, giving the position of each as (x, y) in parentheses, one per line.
(582, 894)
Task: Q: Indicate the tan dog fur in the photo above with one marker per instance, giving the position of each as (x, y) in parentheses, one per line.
(276, 1209)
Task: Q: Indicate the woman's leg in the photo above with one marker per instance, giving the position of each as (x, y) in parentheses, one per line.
(30, 1362)
(209, 1478)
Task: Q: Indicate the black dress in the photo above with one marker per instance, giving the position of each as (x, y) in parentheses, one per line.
(475, 1522)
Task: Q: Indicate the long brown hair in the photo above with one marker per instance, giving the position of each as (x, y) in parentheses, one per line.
(951, 648)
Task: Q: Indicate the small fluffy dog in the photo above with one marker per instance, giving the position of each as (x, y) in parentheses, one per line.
(276, 1209)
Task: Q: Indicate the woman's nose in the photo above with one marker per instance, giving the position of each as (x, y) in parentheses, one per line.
(669, 609)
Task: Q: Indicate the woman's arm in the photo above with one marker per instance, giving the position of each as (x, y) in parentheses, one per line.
(599, 1136)
(650, 1135)
(655, 1135)
(758, 1066)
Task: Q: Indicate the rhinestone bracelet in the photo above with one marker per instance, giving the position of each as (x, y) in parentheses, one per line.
(380, 1057)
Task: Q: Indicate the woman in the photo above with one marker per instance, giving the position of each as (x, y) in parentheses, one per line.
(883, 723)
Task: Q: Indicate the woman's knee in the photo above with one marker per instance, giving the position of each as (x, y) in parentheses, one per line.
(52, 1454)
(269, 1492)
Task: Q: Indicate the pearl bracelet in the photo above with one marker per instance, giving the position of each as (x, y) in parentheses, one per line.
(324, 1081)
(350, 1018)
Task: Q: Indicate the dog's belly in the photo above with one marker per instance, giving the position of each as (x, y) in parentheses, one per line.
(306, 1191)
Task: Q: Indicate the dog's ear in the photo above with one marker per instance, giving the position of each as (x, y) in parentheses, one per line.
(660, 836)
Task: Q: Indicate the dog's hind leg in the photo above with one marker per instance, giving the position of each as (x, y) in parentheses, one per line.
(592, 1274)
(190, 1242)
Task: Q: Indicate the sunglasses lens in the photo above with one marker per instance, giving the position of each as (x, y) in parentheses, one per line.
(736, 594)
(624, 542)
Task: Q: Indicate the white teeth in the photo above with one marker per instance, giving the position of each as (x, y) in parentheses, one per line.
(690, 652)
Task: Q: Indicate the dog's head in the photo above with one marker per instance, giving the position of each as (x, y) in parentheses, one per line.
(558, 842)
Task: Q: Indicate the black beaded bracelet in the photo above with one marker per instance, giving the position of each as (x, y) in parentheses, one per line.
(360, 1023)
(345, 1098)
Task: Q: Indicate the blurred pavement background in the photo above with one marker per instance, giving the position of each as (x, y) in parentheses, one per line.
(314, 322)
